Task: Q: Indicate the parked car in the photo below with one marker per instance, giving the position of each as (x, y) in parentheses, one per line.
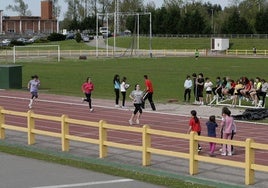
(85, 38)
(33, 39)
(5, 42)
(70, 36)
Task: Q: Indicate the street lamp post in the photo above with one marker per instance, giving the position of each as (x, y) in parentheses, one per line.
(212, 20)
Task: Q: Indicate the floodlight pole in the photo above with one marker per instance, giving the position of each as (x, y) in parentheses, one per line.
(138, 32)
(150, 43)
(97, 35)
(107, 46)
(115, 25)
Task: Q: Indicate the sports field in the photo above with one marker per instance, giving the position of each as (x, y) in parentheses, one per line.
(167, 74)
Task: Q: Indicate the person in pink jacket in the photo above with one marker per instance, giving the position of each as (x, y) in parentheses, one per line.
(227, 124)
(87, 88)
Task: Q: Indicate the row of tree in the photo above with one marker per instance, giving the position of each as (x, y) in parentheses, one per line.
(174, 17)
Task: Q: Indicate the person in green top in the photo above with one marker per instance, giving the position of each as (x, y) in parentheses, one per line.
(196, 53)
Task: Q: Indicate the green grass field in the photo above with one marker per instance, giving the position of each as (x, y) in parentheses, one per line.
(167, 74)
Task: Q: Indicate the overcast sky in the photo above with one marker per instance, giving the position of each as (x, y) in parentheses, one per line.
(35, 5)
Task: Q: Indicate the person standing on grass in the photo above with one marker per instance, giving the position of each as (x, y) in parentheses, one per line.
(194, 87)
(33, 86)
(116, 83)
(187, 88)
(200, 87)
(87, 88)
(136, 95)
(196, 54)
(208, 87)
(211, 127)
(148, 93)
(194, 125)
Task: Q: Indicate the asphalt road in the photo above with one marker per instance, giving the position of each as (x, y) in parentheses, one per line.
(21, 172)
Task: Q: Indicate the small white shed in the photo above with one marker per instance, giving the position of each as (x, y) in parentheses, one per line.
(219, 44)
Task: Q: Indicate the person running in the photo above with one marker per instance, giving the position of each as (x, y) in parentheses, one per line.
(194, 125)
(33, 86)
(136, 95)
(148, 93)
(87, 89)
(116, 83)
(211, 127)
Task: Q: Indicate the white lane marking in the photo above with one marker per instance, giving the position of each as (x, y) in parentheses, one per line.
(86, 184)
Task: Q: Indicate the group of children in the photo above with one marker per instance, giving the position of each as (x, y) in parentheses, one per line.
(228, 130)
(253, 90)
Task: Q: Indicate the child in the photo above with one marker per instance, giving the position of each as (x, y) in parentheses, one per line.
(211, 127)
(194, 125)
(33, 86)
(228, 130)
(136, 95)
(208, 86)
(87, 88)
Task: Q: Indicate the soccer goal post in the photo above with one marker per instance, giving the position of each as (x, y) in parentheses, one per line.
(36, 53)
(116, 27)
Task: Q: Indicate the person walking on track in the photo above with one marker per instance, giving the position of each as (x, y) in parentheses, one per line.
(148, 93)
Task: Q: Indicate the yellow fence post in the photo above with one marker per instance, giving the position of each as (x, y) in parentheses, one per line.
(31, 126)
(65, 143)
(193, 164)
(146, 143)
(2, 121)
(250, 159)
(102, 138)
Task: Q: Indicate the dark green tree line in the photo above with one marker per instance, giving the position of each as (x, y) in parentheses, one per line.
(174, 17)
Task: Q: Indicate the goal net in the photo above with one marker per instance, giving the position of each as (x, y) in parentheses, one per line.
(36, 53)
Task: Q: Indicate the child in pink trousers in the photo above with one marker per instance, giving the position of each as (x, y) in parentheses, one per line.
(211, 127)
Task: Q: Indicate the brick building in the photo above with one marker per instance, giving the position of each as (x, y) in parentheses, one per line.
(47, 23)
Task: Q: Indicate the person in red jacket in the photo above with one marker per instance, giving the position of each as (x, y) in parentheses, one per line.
(87, 88)
(148, 93)
(194, 125)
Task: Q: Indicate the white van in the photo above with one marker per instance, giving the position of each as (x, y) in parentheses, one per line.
(103, 30)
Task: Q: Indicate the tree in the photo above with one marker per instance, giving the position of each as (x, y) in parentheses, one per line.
(20, 7)
(192, 23)
(236, 24)
(261, 24)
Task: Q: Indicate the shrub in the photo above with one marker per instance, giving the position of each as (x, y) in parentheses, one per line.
(56, 37)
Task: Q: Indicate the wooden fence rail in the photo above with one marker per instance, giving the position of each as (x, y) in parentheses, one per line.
(145, 148)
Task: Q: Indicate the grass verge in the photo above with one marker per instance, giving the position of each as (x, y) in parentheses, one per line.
(101, 165)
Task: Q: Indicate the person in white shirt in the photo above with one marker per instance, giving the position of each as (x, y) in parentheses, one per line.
(208, 87)
(188, 83)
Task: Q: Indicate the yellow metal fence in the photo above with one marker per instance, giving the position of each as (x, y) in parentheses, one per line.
(145, 148)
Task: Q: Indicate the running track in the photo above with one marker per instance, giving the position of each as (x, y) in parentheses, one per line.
(57, 105)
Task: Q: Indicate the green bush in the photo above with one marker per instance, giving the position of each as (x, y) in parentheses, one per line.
(78, 37)
(56, 37)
